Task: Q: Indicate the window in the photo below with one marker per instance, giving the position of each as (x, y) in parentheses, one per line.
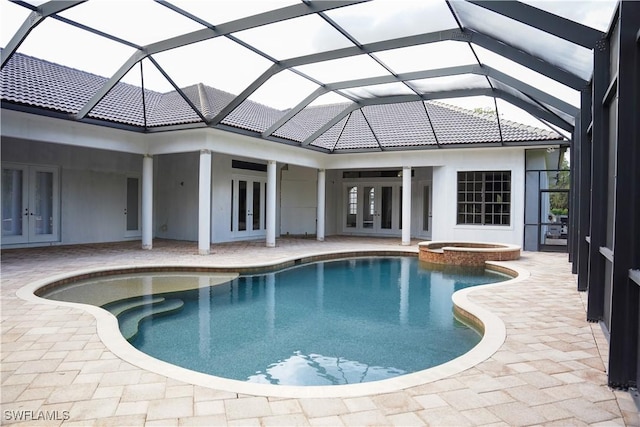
(484, 198)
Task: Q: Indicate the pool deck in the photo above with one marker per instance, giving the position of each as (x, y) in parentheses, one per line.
(549, 371)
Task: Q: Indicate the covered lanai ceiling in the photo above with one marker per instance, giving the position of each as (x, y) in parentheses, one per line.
(327, 75)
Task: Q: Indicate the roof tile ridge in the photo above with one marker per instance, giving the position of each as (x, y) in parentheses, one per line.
(206, 86)
(258, 104)
(205, 103)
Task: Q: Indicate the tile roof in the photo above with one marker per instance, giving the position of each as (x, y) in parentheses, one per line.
(400, 125)
(31, 81)
(37, 83)
(357, 133)
(308, 121)
(253, 116)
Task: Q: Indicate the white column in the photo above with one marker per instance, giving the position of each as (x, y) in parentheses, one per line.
(147, 202)
(204, 203)
(271, 203)
(406, 205)
(321, 204)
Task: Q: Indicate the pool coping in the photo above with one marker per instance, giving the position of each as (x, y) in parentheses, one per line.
(467, 311)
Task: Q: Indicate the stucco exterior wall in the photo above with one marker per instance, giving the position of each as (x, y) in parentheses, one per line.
(445, 225)
(299, 200)
(92, 187)
(95, 177)
(333, 201)
(176, 196)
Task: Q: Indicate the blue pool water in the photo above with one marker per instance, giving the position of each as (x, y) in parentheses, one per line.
(334, 322)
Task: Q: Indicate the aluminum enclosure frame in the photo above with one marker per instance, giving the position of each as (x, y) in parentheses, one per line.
(604, 243)
(606, 207)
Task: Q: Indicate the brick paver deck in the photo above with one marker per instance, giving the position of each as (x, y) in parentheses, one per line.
(549, 371)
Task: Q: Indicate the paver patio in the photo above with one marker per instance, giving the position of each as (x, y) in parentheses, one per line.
(549, 371)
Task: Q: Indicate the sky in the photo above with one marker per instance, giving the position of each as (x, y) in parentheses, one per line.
(226, 65)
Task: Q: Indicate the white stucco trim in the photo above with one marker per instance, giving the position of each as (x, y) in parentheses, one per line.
(33, 127)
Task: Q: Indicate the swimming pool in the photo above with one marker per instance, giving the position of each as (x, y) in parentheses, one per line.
(326, 323)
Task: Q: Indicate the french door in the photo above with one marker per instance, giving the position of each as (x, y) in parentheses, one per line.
(30, 204)
(248, 201)
(373, 208)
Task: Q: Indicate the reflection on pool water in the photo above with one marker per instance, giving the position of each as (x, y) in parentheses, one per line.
(326, 323)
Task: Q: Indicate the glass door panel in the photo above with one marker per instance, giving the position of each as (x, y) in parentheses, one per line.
(369, 207)
(264, 186)
(43, 203)
(426, 212)
(14, 207)
(352, 207)
(554, 220)
(242, 205)
(257, 200)
(386, 208)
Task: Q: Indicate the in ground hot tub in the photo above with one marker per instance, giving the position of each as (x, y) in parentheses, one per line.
(467, 253)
